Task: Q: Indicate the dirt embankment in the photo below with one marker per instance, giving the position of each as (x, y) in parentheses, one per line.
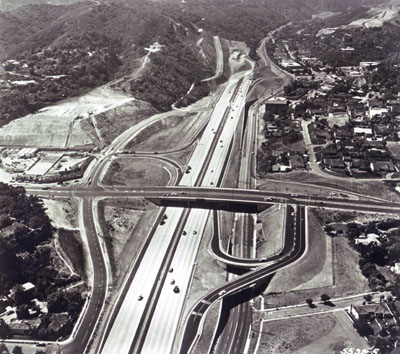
(125, 225)
(172, 132)
(113, 122)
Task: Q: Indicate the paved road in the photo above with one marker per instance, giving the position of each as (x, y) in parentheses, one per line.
(298, 235)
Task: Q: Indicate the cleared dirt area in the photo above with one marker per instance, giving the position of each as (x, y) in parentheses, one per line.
(125, 225)
(316, 334)
(112, 123)
(209, 274)
(270, 233)
(66, 124)
(314, 270)
(63, 212)
(173, 132)
(138, 171)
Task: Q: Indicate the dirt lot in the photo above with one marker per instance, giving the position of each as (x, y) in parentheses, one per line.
(270, 234)
(139, 171)
(63, 212)
(325, 333)
(173, 132)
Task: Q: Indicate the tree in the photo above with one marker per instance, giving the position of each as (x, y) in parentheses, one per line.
(363, 328)
(17, 350)
(4, 329)
(325, 298)
(309, 301)
(368, 297)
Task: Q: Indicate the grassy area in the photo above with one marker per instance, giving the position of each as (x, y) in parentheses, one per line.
(290, 335)
(226, 224)
(347, 277)
(182, 157)
(137, 171)
(329, 216)
(71, 244)
(316, 334)
(232, 173)
(209, 274)
(312, 269)
(270, 234)
(372, 188)
(172, 132)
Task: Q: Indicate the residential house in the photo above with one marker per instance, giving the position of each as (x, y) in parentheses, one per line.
(361, 131)
(384, 166)
(277, 105)
(333, 163)
(19, 328)
(369, 312)
(393, 106)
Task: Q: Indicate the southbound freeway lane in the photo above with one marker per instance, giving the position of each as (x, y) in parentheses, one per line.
(96, 300)
(298, 235)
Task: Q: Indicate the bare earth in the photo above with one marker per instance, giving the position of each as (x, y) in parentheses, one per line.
(270, 233)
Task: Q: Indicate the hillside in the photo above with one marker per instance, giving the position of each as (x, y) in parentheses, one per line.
(65, 51)
(62, 51)
(7, 5)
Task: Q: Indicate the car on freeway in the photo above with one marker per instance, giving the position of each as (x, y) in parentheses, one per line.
(45, 188)
(140, 298)
(174, 194)
(222, 292)
(176, 289)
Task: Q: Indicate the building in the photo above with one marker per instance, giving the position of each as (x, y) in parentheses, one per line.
(369, 312)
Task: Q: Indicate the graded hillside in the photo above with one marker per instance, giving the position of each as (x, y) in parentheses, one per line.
(7, 5)
(91, 121)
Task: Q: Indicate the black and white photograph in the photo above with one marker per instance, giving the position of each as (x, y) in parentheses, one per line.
(199, 176)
